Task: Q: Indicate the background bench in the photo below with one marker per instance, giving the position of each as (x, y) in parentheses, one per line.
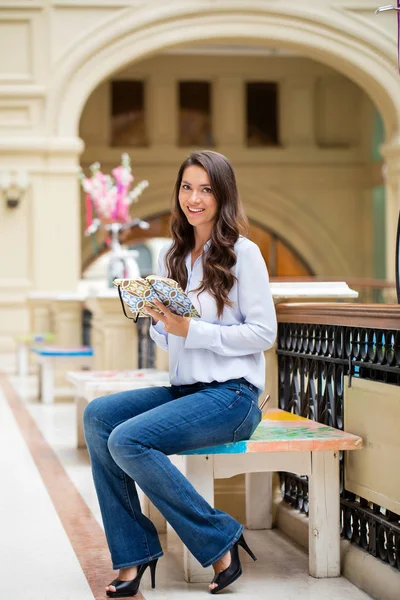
(89, 385)
(50, 357)
(24, 344)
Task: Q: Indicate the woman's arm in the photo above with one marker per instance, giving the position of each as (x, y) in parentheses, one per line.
(258, 332)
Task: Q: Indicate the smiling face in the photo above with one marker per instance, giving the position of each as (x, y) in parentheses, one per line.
(197, 200)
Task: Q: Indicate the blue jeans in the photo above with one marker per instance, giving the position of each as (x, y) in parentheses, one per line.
(129, 436)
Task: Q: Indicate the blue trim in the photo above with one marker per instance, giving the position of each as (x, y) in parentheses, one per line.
(54, 352)
(234, 448)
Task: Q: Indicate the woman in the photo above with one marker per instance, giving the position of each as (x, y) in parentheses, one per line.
(217, 373)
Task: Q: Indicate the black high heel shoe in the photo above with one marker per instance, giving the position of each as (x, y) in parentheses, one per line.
(124, 589)
(234, 570)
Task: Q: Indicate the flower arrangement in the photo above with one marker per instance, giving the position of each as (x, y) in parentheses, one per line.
(108, 198)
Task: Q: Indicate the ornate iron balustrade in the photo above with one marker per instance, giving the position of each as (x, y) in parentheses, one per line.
(318, 345)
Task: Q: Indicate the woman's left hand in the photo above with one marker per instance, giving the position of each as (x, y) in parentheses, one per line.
(172, 323)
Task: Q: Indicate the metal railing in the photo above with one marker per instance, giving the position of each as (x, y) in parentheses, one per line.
(313, 359)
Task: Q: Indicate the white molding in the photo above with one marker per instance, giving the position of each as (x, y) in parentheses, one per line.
(11, 5)
(9, 283)
(13, 301)
(22, 91)
(229, 50)
(37, 144)
(76, 4)
(311, 289)
(348, 158)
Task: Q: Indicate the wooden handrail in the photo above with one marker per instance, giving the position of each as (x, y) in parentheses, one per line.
(351, 282)
(377, 316)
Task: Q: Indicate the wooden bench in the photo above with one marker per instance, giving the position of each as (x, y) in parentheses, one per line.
(282, 442)
(51, 356)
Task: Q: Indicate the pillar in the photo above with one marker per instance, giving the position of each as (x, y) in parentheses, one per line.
(229, 111)
(391, 175)
(114, 338)
(66, 319)
(66, 315)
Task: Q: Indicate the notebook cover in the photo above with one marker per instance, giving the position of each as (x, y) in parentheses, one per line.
(138, 293)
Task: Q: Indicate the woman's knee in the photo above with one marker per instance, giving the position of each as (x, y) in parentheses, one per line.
(122, 443)
(95, 417)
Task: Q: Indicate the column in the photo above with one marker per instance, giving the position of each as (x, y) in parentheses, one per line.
(39, 312)
(66, 314)
(55, 227)
(162, 110)
(298, 111)
(114, 338)
(228, 109)
(391, 174)
(66, 318)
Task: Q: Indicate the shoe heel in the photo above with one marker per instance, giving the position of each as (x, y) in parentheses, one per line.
(242, 543)
(153, 566)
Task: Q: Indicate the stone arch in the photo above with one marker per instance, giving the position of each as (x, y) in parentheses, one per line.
(283, 216)
(333, 37)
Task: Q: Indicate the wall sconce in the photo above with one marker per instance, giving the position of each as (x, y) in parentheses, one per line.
(14, 187)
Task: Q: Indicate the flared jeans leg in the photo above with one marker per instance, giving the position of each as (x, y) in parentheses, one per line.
(140, 447)
(130, 436)
(131, 536)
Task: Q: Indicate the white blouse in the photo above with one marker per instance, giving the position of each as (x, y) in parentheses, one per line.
(230, 347)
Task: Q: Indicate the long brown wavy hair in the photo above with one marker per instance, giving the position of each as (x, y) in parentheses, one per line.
(230, 222)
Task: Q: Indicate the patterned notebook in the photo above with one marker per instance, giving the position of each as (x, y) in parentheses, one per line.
(138, 293)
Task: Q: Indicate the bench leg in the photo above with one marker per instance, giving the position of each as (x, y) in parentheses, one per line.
(152, 513)
(22, 360)
(199, 470)
(258, 500)
(324, 515)
(81, 404)
(47, 382)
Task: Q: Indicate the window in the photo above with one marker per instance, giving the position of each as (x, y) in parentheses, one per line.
(195, 128)
(128, 122)
(262, 114)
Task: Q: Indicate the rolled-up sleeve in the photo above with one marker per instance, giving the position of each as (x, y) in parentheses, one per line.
(257, 333)
(157, 331)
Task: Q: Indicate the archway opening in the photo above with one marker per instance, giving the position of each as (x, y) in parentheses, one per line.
(274, 114)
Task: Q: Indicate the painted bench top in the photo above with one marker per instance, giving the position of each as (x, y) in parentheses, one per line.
(281, 431)
(63, 351)
(117, 376)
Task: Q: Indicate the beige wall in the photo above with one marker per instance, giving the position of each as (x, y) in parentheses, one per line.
(54, 53)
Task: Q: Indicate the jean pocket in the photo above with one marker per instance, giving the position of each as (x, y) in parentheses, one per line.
(249, 424)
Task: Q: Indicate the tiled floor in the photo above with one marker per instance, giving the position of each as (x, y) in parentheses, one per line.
(51, 542)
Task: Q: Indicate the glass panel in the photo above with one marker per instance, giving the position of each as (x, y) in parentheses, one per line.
(282, 261)
(262, 114)
(288, 263)
(195, 128)
(143, 259)
(128, 123)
